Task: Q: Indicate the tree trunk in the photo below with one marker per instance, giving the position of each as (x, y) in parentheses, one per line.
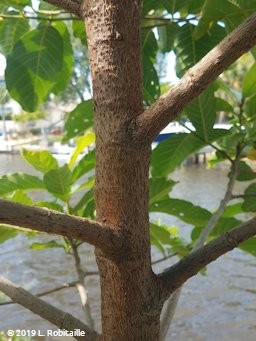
(130, 299)
(129, 289)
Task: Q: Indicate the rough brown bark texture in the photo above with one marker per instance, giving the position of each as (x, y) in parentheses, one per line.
(132, 295)
(129, 289)
(52, 222)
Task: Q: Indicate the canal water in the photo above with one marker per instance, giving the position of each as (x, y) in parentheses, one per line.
(220, 306)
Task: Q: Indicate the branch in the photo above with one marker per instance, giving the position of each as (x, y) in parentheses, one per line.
(223, 204)
(48, 312)
(243, 196)
(159, 260)
(49, 221)
(149, 124)
(47, 292)
(168, 313)
(80, 285)
(60, 287)
(72, 6)
(171, 304)
(52, 19)
(190, 265)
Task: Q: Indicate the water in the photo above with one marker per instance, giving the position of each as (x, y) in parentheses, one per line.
(221, 305)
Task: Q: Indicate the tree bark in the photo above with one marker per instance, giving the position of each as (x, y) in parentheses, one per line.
(129, 288)
(72, 6)
(132, 295)
(53, 222)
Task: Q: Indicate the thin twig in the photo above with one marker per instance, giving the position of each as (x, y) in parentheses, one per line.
(56, 289)
(163, 258)
(40, 18)
(227, 197)
(80, 285)
(176, 20)
(48, 312)
(47, 292)
(223, 152)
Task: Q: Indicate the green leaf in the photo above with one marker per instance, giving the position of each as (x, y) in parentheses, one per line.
(184, 210)
(34, 65)
(22, 198)
(79, 120)
(166, 37)
(159, 188)
(195, 6)
(202, 113)
(245, 173)
(68, 58)
(79, 31)
(20, 4)
(171, 152)
(3, 8)
(51, 205)
(151, 5)
(151, 87)
(159, 237)
(41, 246)
(215, 158)
(43, 161)
(232, 12)
(250, 107)
(253, 52)
(249, 82)
(89, 210)
(58, 181)
(44, 6)
(85, 165)
(78, 187)
(249, 246)
(7, 232)
(232, 210)
(166, 239)
(81, 143)
(10, 32)
(249, 204)
(223, 225)
(189, 51)
(172, 6)
(86, 198)
(19, 181)
(222, 105)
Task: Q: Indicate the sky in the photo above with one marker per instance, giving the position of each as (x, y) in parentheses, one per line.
(2, 65)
